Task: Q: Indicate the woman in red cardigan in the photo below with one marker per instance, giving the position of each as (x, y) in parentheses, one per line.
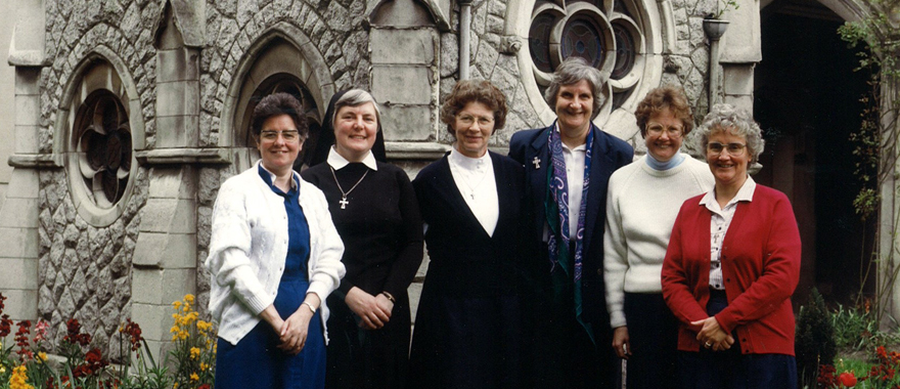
(732, 263)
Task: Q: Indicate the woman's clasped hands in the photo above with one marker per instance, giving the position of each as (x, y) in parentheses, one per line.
(374, 311)
(292, 331)
(712, 336)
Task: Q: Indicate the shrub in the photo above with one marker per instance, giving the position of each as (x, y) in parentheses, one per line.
(814, 341)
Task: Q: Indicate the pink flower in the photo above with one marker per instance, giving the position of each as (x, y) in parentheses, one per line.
(40, 330)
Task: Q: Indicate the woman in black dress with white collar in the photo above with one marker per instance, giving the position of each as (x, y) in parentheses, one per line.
(468, 327)
(374, 209)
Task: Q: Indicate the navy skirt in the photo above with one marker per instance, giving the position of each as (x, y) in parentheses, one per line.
(730, 369)
(257, 363)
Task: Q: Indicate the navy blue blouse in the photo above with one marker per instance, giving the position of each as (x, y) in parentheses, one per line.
(298, 229)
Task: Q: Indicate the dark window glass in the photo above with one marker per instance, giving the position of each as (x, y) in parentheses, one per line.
(539, 42)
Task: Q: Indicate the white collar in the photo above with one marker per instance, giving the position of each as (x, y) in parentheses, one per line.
(469, 163)
(581, 147)
(272, 176)
(743, 194)
(338, 161)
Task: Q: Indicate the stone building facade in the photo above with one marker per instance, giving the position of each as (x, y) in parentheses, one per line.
(130, 113)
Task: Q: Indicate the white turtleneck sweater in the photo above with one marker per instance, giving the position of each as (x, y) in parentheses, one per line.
(641, 206)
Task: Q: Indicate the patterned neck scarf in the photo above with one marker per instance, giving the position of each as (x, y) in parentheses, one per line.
(556, 207)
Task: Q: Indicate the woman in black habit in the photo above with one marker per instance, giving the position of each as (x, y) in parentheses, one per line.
(468, 331)
(374, 209)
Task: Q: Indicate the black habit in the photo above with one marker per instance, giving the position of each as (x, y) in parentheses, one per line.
(382, 233)
(468, 331)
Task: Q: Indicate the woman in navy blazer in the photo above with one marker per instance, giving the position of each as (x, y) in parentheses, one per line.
(469, 324)
(567, 265)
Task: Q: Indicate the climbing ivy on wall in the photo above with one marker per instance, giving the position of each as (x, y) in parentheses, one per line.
(876, 149)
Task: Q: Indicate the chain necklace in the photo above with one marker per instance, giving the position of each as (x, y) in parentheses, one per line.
(344, 195)
(470, 176)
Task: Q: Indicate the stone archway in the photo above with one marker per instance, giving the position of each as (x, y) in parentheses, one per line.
(806, 99)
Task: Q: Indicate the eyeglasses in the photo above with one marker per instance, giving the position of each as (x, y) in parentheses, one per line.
(288, 136)
(467, 120)
(657, 130)
(734, 149)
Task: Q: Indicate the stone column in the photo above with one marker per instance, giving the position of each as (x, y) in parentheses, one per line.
(405, 49)
(165, 256)
(888, 287)
(741, 51)
(19, 234)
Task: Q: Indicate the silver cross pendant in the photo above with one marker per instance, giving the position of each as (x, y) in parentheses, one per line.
(344, 202)
(536, 162)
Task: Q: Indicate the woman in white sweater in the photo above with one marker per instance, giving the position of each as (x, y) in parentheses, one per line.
(274, 257)
(642, 202)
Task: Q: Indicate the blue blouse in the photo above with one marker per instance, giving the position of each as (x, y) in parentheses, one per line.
(298, 229)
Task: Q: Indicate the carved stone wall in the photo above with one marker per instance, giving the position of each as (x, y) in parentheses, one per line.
(85, 271)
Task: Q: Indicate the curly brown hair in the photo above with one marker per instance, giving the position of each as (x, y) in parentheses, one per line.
(662, 98)
(279, 104)
(467, 91)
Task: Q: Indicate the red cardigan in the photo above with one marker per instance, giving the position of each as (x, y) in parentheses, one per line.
(760, 267)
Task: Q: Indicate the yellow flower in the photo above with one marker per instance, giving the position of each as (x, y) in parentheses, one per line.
(195, 352)
(195, 377)
(174, 329)
(204, 366)
(41, 356)
(176, 304)
(19, 378)
(175, 386)
(203, 325)
(189, 298)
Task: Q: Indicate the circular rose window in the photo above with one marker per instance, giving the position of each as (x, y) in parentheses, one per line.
(605, 33)
(101, 161)
(104, 148)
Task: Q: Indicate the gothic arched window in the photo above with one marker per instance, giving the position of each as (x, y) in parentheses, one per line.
(290, 84)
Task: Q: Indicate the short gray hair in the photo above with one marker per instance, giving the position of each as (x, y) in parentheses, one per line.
(573, 70)
(739, 122)
(355, 98)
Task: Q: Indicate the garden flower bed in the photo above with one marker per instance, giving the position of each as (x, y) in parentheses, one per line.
(26, 363)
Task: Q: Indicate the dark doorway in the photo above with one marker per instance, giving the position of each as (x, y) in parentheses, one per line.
(807, 102)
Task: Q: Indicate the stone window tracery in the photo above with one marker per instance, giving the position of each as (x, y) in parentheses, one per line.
(602, 32)
(104, 147)
(102, 126)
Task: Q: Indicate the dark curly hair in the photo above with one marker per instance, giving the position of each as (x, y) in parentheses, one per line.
(467, 91)
(661, 98)
(279, 104)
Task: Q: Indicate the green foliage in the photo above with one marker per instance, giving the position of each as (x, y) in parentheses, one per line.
(856, 329)
(877, 43)
(814, 343)
(725, 6)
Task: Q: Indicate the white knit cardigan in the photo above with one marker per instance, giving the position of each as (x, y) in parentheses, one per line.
(248, 247)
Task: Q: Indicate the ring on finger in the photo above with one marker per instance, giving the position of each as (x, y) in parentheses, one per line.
(708, 345)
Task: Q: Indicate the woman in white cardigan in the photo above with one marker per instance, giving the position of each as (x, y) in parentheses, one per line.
(274, 257)
(642, 202)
